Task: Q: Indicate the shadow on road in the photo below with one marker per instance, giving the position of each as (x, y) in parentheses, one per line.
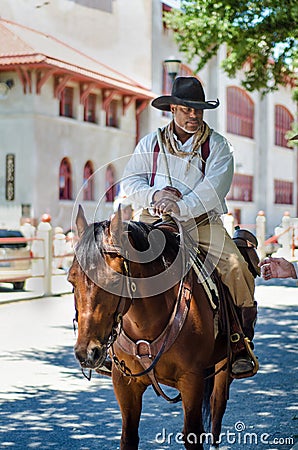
(86, 416)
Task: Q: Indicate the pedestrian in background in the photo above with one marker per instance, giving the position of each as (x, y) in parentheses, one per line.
(278, 268)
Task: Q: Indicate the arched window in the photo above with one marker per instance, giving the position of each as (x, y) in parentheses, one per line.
(65, 182)
(283, 120)
(240, 112)
(110, 183)
(88, 181)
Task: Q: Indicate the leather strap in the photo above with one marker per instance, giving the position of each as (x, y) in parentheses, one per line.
(143, 348)
(146, 351)
(154, 167)
(205, 153)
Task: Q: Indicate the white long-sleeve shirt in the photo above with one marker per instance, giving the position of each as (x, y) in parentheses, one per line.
(201, 193)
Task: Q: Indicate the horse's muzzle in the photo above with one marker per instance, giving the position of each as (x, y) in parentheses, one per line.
(91, 357)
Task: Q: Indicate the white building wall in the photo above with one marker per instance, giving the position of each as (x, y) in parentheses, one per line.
(31, 128)
(120, 39)
(130, 39)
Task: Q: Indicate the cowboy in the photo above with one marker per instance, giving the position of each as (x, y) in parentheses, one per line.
(186, 170)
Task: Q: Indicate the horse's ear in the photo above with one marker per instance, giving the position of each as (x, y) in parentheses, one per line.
(116, 226)
(81, 221)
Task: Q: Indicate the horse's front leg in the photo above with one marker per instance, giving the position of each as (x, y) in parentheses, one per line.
(129, 394)
(218, 402)
(191, 387)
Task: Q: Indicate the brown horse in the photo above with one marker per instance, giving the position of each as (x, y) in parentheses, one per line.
(123, 307)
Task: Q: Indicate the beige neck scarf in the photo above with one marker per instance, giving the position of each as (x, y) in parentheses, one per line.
(198, 139)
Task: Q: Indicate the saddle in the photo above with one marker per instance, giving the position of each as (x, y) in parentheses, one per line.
(227, 318)
(247, 244)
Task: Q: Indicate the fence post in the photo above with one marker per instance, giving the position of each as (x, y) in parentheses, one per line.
(59, 247)
(285, 235)
(286, 239)
(44, 231)
(261, 233)
(229, 223)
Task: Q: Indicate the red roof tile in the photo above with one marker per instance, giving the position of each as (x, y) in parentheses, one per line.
(21, 45)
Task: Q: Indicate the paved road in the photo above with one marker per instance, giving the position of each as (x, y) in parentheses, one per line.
(45, 403)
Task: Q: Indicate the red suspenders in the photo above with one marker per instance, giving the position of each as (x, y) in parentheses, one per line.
(154, 166)
(205, 154)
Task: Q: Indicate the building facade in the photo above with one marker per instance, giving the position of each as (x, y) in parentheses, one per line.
(76, 81)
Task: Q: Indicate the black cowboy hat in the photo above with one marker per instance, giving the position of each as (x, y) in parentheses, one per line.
(186, 91)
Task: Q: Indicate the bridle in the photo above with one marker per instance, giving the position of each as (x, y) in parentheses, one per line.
(122, 307)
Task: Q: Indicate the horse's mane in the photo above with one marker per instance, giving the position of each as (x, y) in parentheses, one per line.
(139, 232)
(93, 242)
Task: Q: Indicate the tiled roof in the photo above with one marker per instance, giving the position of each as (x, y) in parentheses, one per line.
(21, 45)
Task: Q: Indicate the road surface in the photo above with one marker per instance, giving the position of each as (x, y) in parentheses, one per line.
(45, 403)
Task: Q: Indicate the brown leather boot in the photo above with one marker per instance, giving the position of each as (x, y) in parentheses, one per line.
(243, 363)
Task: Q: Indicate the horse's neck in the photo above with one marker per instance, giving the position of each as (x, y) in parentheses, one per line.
(147, 317)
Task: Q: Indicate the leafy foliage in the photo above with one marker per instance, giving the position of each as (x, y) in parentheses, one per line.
(261, 37)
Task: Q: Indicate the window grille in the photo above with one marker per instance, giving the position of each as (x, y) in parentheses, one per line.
(242, 188)
(240, 112)
(283, 121)
(283, 192)
(88, 181)
(66, 102)
(90, 108)
(113, 115)
(65, 180)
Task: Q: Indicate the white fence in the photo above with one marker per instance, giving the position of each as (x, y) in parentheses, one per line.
(51, 254)
(52, 251)
(284, 242)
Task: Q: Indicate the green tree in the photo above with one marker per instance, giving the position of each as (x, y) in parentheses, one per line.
(261, 38)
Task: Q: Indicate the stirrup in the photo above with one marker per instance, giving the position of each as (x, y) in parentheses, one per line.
(253, 359)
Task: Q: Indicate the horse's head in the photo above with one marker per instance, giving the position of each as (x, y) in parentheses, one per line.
(96, 278)
(114, 263)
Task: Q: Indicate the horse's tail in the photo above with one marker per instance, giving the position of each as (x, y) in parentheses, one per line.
(208, 388)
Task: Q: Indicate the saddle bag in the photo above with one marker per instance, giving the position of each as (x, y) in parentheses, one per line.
(247, 244)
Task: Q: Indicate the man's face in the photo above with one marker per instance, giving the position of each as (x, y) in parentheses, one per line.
(188, 119)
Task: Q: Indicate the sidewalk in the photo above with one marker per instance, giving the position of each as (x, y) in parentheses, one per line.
(33, 289)
(276, 293)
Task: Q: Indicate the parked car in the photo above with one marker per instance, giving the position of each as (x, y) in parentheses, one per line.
(15, 268)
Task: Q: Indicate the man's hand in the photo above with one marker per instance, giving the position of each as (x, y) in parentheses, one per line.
(165, 201)
(166, 206)
(169, 192)
(277, 268)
